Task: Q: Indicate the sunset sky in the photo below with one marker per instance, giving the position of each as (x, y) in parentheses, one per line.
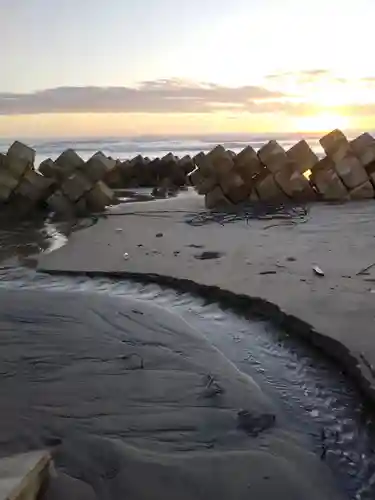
(129, 67)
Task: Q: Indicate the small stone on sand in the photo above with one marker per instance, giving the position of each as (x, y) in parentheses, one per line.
(208, 255)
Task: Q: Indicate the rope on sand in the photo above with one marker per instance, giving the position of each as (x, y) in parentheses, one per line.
(254, 211)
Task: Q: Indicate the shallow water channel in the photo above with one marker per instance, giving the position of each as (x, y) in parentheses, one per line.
(311, 394)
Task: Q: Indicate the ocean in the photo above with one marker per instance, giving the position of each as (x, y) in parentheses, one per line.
(158, 146)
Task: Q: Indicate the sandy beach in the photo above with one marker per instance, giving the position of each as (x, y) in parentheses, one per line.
(187, 265)
(269, 261)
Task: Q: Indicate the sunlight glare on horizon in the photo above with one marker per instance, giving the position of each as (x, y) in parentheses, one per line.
(270, 65)
(322, 122)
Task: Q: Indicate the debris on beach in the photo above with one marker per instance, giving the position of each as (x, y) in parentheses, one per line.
(208, 255)
(212, 388)
(193, 245)
(318, 271)
(365, 270)
(254, 424)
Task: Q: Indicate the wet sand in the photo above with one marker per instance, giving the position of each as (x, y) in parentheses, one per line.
(123, 385)
(268, 260)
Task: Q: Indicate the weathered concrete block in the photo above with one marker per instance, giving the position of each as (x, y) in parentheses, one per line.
(136, 160)
(169, 167)
(222, 161)
(268, 190)
(238, 194)
(76, 186)
(335, 144)
(295, 185)
(253, 198)
(234, 188)
(203, 162)
(364, 148)
(327, 182)
(68, 162)
(3, 161)
(35, 186)
(81, 208)
(98, 166)
(206, 185)
(216, 198)
(22, 152)
(151, 174)
(169, 157)
(128, 173)
(114, 178)
(8, 183)
(5, 193)
(363, 192)
(217, 152)
(22, 476)
(325, 163)
(99, 197)
(48, 168)
(20, 159)
(273, 156)
(196, 177)
(186, 164)
(248, 165)
(351, 170)
(303, 156)
(61, 205)
(20, 207)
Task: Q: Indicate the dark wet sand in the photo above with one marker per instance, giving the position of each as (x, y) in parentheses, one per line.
(123, 385)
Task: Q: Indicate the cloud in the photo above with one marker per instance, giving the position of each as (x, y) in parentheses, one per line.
(177, 96)
(313, 76)
(368, 79)
(357, 109)
(310, 72)
(158, 96)
(303, 76)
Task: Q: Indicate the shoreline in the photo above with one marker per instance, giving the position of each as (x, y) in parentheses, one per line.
(155, 261)
(253, 308)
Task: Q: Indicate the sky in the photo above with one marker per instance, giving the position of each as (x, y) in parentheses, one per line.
(134, 67)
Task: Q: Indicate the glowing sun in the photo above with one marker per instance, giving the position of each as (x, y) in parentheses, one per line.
(322, 122)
